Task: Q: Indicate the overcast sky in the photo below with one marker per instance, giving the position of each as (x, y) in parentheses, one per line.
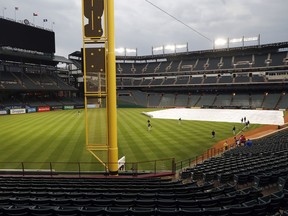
(139, 24)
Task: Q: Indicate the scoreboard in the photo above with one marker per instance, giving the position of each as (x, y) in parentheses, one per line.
(26, 36)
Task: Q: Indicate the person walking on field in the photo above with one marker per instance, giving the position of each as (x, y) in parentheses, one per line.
(234, 130)
(149, 126)
(213, 134)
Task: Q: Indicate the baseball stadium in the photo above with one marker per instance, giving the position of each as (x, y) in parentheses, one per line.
(181, 133)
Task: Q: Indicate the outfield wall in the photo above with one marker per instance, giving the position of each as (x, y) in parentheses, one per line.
(15, 111)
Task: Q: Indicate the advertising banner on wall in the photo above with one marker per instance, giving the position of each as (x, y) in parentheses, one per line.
(68, 107)
(17, 111)
(79, 106)
(43, 109)
(3, 112)
(31, 109)
(56, 107)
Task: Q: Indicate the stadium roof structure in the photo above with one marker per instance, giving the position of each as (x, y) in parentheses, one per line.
(271, 47)
(77, 54)
(18, 55)
(61, 59)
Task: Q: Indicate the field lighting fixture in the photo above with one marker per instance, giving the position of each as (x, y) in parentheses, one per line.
(160, 48)
(120, 50)
(125, 51)
(129, 50)
(182, 46)
(170, 48)
(220, 42)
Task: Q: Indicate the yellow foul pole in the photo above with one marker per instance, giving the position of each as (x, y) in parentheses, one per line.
(111, 93)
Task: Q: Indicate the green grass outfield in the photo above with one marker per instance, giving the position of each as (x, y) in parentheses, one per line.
(59, 136)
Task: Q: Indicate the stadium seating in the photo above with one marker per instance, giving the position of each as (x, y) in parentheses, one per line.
(206, 100)
(283, 103)
(167, 100)
(258, 79)
(241, 100)
(154, 99)
(271, 101)
(225, 79)
(223, 100)
(182, 80)
(157, 81)
(242, 79)
(181, 100)
(210, 80)
(193, 99)
(257, 100)
(168, 81)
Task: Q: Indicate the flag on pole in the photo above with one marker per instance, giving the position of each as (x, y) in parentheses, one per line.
(35, 14)
(45, 20)
(16, 8)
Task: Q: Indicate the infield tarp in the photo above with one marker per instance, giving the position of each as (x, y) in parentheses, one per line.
(270, 117)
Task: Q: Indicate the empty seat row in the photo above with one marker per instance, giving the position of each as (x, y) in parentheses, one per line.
(268, 205)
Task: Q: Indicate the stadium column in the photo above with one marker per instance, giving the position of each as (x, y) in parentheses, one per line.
(100, 82)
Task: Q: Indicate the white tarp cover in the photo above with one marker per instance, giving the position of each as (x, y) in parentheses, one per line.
(270, 117)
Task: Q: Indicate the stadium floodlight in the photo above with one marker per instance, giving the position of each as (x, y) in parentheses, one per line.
(160, 48)
(235, 40)
(170, 47)
(128, 50)
(120, 50)
(125, 51)
(181, 46)
(250, 39)
(220, 42)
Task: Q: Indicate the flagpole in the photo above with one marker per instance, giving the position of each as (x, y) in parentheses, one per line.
(4, 12)
(34, 14)
(15, 13)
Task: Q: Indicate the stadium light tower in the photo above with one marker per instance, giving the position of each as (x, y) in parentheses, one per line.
(126, 51)
(170, 48)
(100, 82)
(222, 42)
(160, 48)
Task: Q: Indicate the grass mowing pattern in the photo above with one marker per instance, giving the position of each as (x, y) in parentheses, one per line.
(59, 136)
